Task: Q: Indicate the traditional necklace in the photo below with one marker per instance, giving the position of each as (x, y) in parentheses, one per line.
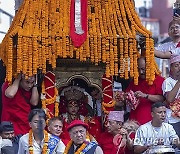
(78, 151)
(45, 145)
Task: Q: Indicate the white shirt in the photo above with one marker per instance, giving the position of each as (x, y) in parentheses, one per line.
(99, 107)
(90, 101)
(176, 51)
(37, 149)
(169, 46)
(5, 142)
(98, 103)
(167, 86)
(147, 135)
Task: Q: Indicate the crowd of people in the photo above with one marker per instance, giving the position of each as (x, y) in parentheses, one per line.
(153, 122)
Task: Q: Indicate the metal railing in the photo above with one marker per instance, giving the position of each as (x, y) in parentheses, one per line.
(10, 18)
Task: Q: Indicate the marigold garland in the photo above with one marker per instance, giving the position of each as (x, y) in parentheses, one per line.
(69, 146)
(107, 105)
(104, 110)
(45, 146)
(42, 32)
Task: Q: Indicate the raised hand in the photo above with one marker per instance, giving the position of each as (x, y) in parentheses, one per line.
(124, 132)
(177, 17)
(19, 77)
(139, 94)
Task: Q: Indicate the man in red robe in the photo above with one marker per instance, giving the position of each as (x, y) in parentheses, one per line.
(114, 140)
(147, 94)
(17, 100)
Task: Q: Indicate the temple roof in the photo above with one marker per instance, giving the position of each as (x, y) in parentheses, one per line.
(42, 31)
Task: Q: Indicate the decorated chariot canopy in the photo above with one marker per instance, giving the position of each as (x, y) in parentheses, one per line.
(100, 31)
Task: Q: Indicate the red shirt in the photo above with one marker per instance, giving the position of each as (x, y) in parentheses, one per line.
(106, 143)
(16, 109)
(142, 113)
(95, 127)
(65, 134)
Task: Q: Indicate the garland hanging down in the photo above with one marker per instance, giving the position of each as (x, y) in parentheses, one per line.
(78, 151)
(40, 33)
(45, 146)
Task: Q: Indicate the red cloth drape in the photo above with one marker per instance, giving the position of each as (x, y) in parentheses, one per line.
(49, 83)
(77, 39)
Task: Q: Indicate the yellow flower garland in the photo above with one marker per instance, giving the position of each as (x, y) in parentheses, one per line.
(42, 32)
(45, 146)
(78, 151)
(107, 105)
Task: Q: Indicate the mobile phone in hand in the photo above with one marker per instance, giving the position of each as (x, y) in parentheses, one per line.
(176, 12)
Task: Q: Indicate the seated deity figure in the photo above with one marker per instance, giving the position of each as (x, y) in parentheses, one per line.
(70, 115)
(74, 107)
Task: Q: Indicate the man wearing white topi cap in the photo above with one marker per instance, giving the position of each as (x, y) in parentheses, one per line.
(114, 139)
(171, 91)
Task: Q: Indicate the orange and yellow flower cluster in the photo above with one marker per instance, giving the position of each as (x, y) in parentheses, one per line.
(45, 146)
(40, 33)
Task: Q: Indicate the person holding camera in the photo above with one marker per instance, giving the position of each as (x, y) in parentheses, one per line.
(170, 48)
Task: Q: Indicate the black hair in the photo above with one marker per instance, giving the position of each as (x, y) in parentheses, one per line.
(173, 22)
(79, 82)
(157, 105)
(91, 89)
(6, 126)
(39, 112)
